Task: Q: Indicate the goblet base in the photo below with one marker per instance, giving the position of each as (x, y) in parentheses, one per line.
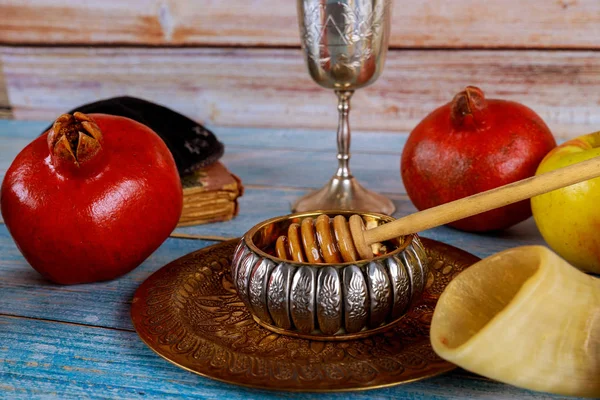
(344, 194)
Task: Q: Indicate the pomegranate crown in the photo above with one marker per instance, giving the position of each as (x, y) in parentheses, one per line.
(74, 138)
(467, 104)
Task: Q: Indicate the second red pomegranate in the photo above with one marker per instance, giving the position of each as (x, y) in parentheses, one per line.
(471, 145)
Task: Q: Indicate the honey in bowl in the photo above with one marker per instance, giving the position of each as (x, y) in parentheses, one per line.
(323, 240)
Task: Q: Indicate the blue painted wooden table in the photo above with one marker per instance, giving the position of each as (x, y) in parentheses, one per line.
(79, 342)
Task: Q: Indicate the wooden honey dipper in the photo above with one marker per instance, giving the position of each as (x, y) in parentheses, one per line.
(317, 242)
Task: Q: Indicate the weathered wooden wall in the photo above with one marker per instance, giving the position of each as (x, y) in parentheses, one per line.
(237, 63)
(416, 23)
(5, 110)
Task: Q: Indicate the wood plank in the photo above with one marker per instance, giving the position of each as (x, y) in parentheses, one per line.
(258, 205)
(9, 148)
(41, 359)
(309, 139)
(42, 356)
(255, 138)
(261, 204)
(283, 166)
(271, 88)
(299, 168)
(11, 129)
(28, 294)
(249, 163)
(435, 23)
(5, 111)
(106, 304)
(313, 169)
(47, 358)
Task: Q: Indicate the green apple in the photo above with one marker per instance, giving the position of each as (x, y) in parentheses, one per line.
(569, 218)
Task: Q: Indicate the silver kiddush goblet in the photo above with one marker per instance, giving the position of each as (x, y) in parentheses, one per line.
(345, 44)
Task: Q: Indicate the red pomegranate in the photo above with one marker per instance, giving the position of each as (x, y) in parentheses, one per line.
(92, 198)
(471, 145)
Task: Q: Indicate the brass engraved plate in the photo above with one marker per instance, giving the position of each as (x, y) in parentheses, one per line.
(190, 314)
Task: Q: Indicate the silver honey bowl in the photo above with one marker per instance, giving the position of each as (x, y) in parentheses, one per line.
(327, 301)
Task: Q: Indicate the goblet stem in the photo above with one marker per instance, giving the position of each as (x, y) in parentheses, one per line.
(343, 191)
(343, 133)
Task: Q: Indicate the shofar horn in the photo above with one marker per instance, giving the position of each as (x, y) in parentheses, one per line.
(525, 317)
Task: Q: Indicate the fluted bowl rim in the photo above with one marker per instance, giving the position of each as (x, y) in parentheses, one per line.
(248, 238)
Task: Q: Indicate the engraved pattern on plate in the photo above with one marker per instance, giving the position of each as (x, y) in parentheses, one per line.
(243, 275)
(302, 299)
(258, 288)
(214, 335)
(356, 304)
(401, 287)
(329, 301)
(278, 295)
(381, 293)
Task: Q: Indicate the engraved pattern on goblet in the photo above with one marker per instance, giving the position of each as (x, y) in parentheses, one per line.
(344, 41)
(358, 27)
